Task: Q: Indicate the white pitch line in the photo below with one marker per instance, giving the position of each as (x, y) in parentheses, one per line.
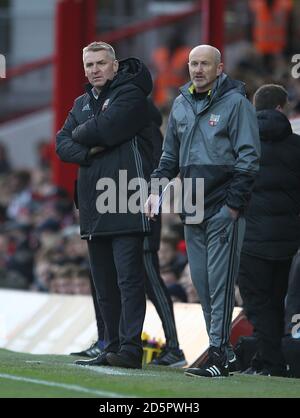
(102, 370)
(74, 388)
(113, 372)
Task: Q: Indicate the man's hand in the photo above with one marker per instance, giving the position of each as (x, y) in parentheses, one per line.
(95, 150)
(152, 206)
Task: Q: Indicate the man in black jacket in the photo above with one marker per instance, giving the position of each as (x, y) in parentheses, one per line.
(156, 290)
(113, 115)
(273, 229)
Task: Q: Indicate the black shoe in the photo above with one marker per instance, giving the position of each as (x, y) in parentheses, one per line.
(124, 359)
(251, 371)
(276, 371)
(233, 364)
(100, 360)
(92, 352)
(215, 366)
(171, 358)
(255, 367)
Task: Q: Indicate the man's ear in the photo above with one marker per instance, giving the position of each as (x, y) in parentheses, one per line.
(279, 108)
(116, 66)
(220, 68)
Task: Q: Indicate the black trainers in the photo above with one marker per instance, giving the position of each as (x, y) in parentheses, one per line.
(92, 351)
(171, 358)
(251, 371)
(233, 364)
(100, 360)
(256, 365)
(274, 371)
(124, 359)
(215, 366)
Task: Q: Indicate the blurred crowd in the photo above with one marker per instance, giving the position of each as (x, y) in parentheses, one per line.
(40, 248)
(242, 62)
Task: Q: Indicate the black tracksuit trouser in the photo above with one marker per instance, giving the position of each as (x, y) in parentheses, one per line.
(263, 286)
(159, 295)
(117, 272)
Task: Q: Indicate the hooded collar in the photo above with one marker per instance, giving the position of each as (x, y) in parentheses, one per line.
(221, 86)
(131, 70)
(274, 126)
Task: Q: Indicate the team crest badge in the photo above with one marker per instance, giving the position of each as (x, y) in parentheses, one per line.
(105, 105)
(214, 119)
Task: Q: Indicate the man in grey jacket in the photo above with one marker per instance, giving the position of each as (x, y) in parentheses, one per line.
(212, 135)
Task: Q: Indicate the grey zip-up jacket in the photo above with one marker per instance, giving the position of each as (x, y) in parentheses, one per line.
(216, 139)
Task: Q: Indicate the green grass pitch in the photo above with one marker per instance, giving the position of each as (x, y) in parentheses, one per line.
(55, 376)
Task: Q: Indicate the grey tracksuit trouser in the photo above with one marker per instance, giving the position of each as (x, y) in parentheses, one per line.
(214, 249)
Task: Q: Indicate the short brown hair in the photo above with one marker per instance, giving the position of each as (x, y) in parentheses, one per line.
(100, 46)
(269, 96)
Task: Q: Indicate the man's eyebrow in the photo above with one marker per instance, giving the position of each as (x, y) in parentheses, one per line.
(204, 61)
(96, 62)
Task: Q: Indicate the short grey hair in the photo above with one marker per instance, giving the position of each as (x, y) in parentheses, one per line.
(100, 46)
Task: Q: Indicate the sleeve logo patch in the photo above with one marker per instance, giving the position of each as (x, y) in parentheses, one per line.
(86, 107)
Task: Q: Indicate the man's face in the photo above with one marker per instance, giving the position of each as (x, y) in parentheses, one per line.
(204, 69)
(99, 67)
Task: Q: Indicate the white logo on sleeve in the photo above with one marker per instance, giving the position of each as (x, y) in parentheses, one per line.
(86, 107)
